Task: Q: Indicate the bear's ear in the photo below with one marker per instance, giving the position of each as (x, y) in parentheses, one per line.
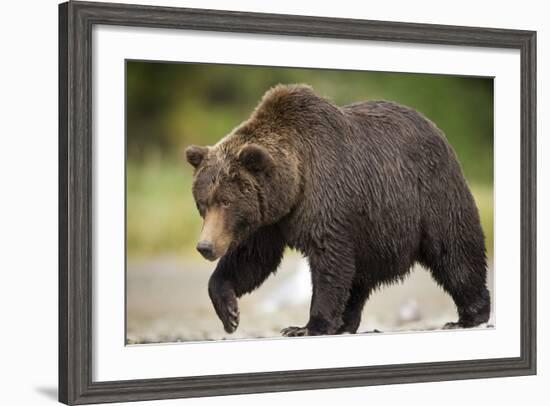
(195, 154)
(255, 158)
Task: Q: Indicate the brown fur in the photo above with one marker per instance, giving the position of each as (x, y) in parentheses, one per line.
(364, 191)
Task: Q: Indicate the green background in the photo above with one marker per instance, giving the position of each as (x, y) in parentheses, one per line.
(170, 106)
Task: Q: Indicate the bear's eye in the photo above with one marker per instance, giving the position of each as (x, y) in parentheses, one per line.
(224, 203)
(200, 208)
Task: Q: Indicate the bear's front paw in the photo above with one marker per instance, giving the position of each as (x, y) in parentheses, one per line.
(229, 316)
(301, 331)
(227, 308)
(228, 312)
(294, 332)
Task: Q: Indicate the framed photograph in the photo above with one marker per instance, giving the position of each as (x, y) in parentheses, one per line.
(258, 202)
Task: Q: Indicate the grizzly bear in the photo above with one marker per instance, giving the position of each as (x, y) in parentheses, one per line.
(363, 191)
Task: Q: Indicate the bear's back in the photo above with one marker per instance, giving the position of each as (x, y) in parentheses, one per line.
(397, 141)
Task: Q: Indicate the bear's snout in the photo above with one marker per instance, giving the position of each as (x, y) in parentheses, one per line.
(215, 239)
(206, 248)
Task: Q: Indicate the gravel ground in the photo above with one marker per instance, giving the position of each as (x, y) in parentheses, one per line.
(167, 301)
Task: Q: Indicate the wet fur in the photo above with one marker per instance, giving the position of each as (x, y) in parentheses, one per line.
(364, 191)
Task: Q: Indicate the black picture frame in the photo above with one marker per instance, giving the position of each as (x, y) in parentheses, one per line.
(76, 20)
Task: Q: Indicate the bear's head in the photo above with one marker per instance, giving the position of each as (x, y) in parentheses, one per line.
(230, 188)
(254, 176)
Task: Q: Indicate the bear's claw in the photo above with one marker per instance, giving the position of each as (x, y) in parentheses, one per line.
(226, 306)
(230, 317)
(294, 332)
(452, 325)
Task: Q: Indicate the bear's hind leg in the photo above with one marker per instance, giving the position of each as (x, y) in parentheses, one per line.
(472, 312)
(466, 284)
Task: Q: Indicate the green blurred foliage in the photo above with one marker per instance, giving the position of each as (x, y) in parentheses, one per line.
(172, 105)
